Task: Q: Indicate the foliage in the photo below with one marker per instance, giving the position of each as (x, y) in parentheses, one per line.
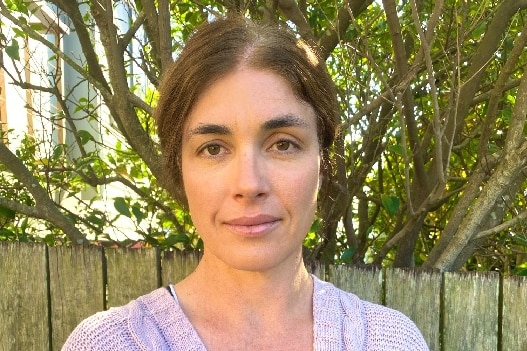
(430, 167)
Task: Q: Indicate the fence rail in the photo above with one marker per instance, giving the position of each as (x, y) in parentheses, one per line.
(46, 291)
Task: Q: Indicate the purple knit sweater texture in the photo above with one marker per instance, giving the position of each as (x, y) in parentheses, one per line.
(342, 322)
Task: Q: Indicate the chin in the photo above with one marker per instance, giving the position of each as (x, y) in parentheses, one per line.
(260, 262)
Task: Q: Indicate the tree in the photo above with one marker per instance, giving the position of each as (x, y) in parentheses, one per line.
(430, 167)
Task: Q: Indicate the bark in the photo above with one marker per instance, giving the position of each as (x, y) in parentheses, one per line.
(497, 92)
(471, 191)
(485, 51)
(45, 208)
(165, 38)
(507, 171)
(292, 11)
(71, 8)
(493, 221)
(421, 182)
(120, 107)
(471, 213)
(333, 34)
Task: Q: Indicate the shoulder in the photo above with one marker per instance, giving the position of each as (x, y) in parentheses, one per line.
(127, 327)
(106, 330)
(386, 327)
(373, 326)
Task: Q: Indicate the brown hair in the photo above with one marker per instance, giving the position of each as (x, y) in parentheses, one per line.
(218, 48)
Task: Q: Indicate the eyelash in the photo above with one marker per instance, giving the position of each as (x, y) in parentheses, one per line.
(290, 143)
(206, 149)
(274, 147)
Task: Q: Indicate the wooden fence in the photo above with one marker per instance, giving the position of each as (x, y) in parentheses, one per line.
(46, 291)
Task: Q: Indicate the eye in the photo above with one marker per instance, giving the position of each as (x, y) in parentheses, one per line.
(284, 146)
(211, 150)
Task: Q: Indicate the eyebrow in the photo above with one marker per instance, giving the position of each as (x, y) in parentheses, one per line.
(282, 121)
(209, 129)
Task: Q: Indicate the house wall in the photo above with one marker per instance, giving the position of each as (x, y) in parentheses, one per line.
(30, 111)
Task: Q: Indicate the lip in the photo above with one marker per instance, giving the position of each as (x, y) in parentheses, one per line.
(252, 225)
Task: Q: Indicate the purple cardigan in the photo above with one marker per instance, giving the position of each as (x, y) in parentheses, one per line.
(156, 322)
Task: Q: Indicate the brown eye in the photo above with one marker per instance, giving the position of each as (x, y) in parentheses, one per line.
(213, 150)
(283, 145)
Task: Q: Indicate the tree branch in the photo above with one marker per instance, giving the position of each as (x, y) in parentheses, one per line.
(291, 10)
(332, 35)
(502, 227)
(497, 91)
(120, 107)
(45, 208)
(165, 37)
(479, 61)
(72, 10)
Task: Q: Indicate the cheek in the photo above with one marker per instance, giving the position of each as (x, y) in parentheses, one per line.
(205, 192)
(301, 187)
(191, 184)
(199, 198)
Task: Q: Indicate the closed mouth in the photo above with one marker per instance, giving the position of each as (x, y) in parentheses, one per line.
(252, 220)
(252, 224)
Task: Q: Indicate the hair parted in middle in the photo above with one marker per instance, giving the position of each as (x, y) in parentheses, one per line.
(222, 46)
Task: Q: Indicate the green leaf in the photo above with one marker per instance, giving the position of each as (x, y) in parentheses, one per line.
(507, 113)
(49, 239)
(136, 210)
(347, 255)
(6, 234)
(174, 239)
(315, 226)
(396, 149)
(96, 220)
(7, 212)
(151, 240)
(122, 207)
(23, 225)
(521, 269)
(85, 136)
(13, 50)
(200, 245)
(391, 203)
(58, 151)
(480, 30)
(519, 240)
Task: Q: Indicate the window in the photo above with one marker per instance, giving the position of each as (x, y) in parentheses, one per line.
(30, 82)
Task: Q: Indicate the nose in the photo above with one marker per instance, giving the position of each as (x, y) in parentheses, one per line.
(250, 176)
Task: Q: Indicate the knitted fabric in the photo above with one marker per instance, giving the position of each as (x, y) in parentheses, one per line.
(342, 322)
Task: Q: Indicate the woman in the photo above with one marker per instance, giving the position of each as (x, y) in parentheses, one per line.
(245, 118)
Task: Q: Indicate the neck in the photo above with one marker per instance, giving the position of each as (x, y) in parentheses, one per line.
(280, 291)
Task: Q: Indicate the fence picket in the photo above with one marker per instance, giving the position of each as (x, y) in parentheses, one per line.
(131, 273)
(23, 297)
(176, 265)
(514, 313)
(366, 283)
(77, 289)
(471, 311)
(418, 295)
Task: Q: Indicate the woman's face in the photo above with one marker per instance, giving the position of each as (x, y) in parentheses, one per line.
(251, 165)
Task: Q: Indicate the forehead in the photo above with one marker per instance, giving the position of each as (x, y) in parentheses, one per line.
(249, 95)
